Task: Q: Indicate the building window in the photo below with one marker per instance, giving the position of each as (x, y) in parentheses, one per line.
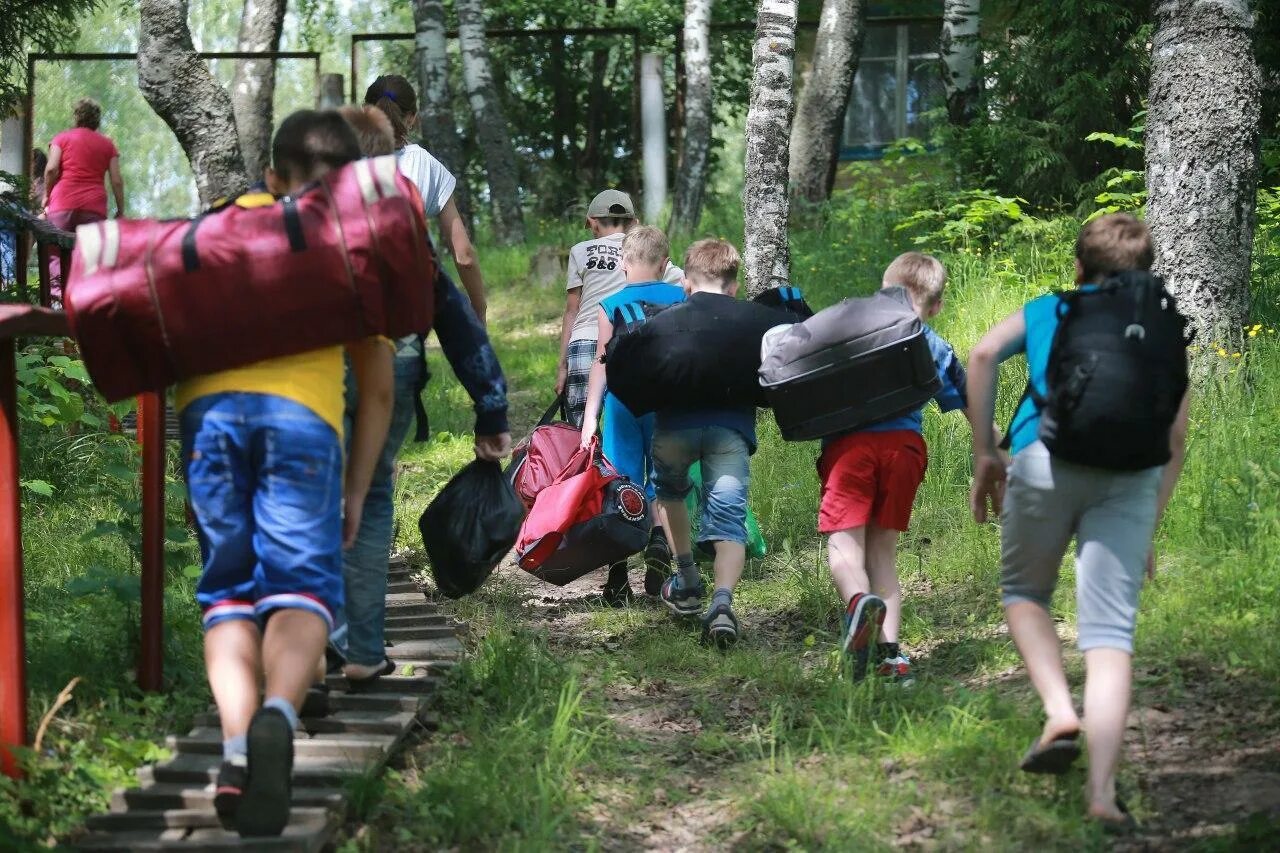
(898, 84)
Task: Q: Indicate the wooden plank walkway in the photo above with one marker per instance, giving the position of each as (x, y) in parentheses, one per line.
(172, 806)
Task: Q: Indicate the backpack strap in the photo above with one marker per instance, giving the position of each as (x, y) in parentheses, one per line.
(1037, 400)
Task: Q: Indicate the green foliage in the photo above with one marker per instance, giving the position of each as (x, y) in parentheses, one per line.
(35, 25)
(1056, 71)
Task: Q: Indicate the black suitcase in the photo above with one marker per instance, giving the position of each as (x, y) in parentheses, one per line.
(849, 366)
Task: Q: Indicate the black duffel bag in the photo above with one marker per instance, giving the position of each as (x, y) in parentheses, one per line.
(469, 527)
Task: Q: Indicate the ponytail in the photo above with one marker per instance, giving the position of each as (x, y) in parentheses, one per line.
(394, 96)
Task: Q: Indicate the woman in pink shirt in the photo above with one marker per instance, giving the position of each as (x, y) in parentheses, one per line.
(79, 159)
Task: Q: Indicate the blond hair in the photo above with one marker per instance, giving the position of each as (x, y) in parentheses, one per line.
(373, 129)
(922, 275)
(1113, 243)
(645, 245)
(713, 261)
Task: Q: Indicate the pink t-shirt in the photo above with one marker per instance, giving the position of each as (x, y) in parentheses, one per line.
(86, 154)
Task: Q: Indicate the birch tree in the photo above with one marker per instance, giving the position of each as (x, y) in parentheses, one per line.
(691, 175)
(764, 196)
(1202, 158)
(435, 115)
(491, 124)
(178, 85)
(815, 136)
(959, 49)
(253, 87)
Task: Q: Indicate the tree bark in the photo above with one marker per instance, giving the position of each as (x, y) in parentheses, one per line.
(1202, 159)
(178, 85)
(253, 87)
(435, 114)
(491, 124)
(959, 49)
(691, 176)
(815, 136)
(765, 206)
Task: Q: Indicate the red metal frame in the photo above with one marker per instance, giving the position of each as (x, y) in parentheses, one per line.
(13, 647)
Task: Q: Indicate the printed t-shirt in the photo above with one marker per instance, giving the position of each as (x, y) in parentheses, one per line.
(314, 379)
(86, 156)
(429, 175)
(951, 396)
(596, 267)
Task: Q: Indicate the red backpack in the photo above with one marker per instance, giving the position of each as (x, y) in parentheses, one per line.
(155, 301)
(537, 461)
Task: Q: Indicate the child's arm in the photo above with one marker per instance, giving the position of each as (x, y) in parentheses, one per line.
(372, 367)
(572, 303)
(1003, 340)
(453, 232)
(1172, 468)
(466, 347)
(596, 382)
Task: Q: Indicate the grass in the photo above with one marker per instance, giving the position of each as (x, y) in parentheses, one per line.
(571, 726)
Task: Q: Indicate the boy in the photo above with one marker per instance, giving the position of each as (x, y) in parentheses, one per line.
(1112, 514)
(869, 482)
(262, 447)
(361, 637)
(595, 271)
(723, 441)
(627, 441)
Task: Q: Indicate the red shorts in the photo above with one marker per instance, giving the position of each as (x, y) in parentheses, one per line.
(871, 477)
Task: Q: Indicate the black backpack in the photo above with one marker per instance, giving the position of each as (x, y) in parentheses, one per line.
(1116, 376)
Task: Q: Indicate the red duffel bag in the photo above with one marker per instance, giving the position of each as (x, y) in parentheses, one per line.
(537, 461)
(155, 301)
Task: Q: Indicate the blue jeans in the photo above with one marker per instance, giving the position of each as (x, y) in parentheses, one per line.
(627, 442)
(265, 479)
(360, 634)
(726, 474)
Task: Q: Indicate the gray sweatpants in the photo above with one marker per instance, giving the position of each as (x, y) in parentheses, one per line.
(1111, 514)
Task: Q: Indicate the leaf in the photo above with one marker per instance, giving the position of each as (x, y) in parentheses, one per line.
(38, 487)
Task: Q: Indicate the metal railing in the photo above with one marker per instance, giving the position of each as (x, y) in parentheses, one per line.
(26, 320)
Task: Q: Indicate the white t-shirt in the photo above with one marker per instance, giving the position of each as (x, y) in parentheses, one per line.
(433, 180)
(596, 267)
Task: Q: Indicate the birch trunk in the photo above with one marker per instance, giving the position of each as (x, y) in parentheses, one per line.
(1202, 159)
(815, 137)
(764, 196)
(436, 116)
(491, 124)
(691, 175)
(959, 49)
(253, 87)
(178, 85)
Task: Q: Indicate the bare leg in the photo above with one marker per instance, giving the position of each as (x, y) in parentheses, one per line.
(678, 526)
(882, 571)
(847, 556)
(232, 660)
(661, 519)
(293, 642)
(1106, 707)
(730, 558)
(1037, 642)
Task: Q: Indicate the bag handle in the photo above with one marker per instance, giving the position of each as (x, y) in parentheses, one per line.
(557, 405)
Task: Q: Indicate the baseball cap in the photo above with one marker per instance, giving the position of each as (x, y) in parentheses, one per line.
(611, 203)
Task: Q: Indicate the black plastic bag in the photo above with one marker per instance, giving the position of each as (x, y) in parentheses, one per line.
(469, 527)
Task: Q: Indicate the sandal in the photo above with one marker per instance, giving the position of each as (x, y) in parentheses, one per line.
(355, 685)
(1055, 757)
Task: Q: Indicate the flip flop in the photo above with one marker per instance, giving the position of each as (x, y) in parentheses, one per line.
(1125, 825)
(1055, 757)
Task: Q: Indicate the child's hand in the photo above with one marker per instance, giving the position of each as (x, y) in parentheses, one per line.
(989, 474)
(352, 512)
(588, 433)
(491, 448)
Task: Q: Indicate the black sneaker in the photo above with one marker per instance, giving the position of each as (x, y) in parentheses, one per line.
(657, 564)
(720, 626)
(316, 703)
(618, 596)
(229, 789)
(264, 808)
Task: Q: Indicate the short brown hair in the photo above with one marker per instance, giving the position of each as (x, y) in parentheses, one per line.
(1113, 243)
(646, 245)
(309, 143)
(372, 128)
(87, 113)
(922, 275)
(713, 260)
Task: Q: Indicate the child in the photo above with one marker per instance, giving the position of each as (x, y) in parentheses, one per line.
(869, 482)
(1112, 514)
(262, 447)
(723, 441)
(595, 272)
(361, 637)
(627, 441)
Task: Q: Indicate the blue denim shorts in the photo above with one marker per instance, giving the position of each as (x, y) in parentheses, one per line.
(264, 476)
(726, 474)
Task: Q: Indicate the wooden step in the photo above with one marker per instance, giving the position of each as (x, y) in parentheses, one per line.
(300, 836)
(402, 587)
(177, 795)
(400, 599)
(202, 769)
(343, 702)
(398, 618)
(351, 746)
(436, 655)
(381, 721)
(408, 685)
(420, 632)
(185, 818)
